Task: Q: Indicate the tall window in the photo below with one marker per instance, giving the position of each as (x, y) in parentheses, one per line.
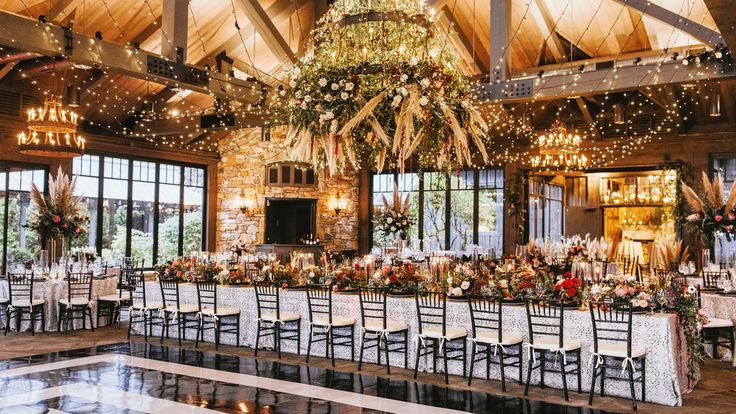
(456, 211)
(149, 209)
(545, 210)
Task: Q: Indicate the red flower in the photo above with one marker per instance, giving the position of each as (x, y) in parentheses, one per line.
(718, 217)
(567, 275)
(577, 282)
(340, 276)
(56, 219)
(357, 266)
(571, 292)
(393, 279)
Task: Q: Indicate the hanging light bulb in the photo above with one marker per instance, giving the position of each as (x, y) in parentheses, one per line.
(619, 115)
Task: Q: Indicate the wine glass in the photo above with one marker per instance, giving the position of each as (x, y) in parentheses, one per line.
(661, 299)
(539, 289)
(691, 267)
(652, 305)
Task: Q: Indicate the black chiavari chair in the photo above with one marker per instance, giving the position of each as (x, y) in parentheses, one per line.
(221, 319)
(435, 337)
(111, 306)
(547, 344)
(21, 301)
(378, 330)
(717, 331)
(710, 279)
(284, 326)
(78, 302)
(325, 326)
(142, 309)
(612, 348)
(486, 314)
(183, 314)
(630, 265)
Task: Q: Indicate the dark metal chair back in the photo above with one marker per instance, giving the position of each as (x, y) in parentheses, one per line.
(79, 286)
(207, 295)
(319, 300)
(611, 323)
(710, 279)
(251, 270)
(629, 265)
(431, 310)
(169, 292)
(267, 299)
(373, 305)
(544, 319)
(20, 287)
(486, 314)
(598, 270)
(137, 283)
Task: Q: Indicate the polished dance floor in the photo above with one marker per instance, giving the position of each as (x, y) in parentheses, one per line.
(143, 378)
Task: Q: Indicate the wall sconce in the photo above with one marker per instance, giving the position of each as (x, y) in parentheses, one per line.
(339, 205)
(246, 205)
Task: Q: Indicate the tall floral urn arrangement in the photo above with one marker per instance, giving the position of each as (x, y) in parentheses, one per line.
(57, 217)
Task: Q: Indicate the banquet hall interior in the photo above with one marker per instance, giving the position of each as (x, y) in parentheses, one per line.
(367, 206)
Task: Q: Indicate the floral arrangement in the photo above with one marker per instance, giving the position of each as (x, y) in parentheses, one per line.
(692, 318)
(394, 217)
(711, 213)
(357, 100)
(567, 288)
(208, 271)
(346, 277)
(577, 251)
(282, 275)
(233, 276)
(402, 279)
(179, 269)
(465, 280)
(58, 214)
(314, 275)
(622, 290)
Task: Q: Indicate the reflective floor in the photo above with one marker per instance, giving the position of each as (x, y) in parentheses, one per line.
(144, 378)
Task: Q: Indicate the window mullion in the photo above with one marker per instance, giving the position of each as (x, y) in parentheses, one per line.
(100, 204)
(180, 240)
(156, 209)
(129, 211)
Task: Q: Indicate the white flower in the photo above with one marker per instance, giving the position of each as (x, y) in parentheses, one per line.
(456, 291)
(503, 283)
(311, 274)
(387, 282)
(322, 82)
(282, 92)
(335, 86)
(333, 126)
(297, 71)
(691, 290)
(393, 229)
(423, 101)
(292, 83)
(349, 86)
(329, 115)
(413, 61)
(693, 217)
(404, 91)
(595, 290)
(328, 98)
(425, 82)
(298, 94)
(304, 105)
(404, 77)
(465, 285)
(344, 96)
(397, 101)
(307, 98)
(389, 220)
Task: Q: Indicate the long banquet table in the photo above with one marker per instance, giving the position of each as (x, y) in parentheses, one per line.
(52, 290)
(666, 361)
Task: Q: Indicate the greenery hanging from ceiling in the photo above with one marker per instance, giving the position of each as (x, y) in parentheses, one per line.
(384, 87)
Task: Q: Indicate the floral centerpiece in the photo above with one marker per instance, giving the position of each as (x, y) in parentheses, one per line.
(347, 278)
(234, 276)
(463, 280)
(58, 215)
(567, 289)
(577, 251)
(623, 290)
(178, 269)
(208, 271)
(711, 212)
(283, 275)
(399, 280)
(395, 218)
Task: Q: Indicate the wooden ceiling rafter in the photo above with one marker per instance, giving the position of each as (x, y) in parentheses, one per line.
(268, 32)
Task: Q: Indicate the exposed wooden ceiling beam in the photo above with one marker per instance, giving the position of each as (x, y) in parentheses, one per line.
(61, 9)
(43, 39)
(7, 68)
(546, 24)
(174, 22)
(146, 33)
(500, 33)
(696, 30)
(460, 41)
(265, 27)
(724, 14)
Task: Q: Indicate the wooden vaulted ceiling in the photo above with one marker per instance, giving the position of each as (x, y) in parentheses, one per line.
(543, 32)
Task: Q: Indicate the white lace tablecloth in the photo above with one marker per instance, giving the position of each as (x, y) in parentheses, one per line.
(53, 290)
(659, 334)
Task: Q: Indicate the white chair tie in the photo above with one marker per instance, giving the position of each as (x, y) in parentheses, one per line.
(495, 345)
(201, 316)
(381, 334)
(628, 361)
(530, 351)
(10, 308)
(599, 360)
(422, 338)
(326, 327)
(273, 322)
(560, 351)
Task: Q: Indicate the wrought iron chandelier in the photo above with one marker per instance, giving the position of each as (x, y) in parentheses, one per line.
(52, 131)
(559, 150)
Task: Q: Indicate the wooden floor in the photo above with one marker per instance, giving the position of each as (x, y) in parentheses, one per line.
(716, 391)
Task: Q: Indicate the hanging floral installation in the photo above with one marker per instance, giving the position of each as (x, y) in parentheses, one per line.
(382, 86)
(395, 216)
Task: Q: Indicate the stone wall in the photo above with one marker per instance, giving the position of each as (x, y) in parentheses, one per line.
(241, 175)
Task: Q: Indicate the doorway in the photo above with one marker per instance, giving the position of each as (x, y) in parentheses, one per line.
(289, 220)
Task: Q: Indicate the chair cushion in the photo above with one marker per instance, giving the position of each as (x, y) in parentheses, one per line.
(336, 321)
(185, 308)
(75, 302)
(3, 301)
(391, 326)
(491, 337)
(714, 323)
(450, 332)
(115, 297)
(552, 343)
(27, 304)
(151, 306)
(223, 311)
(285, 316)
(618, 350)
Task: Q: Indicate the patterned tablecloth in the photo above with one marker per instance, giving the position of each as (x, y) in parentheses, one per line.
(53, 290)
(666, 346)
(721, 307)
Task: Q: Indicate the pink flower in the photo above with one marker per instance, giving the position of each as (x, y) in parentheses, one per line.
(718, 217)
(56, 219)
(701, 312)
(731, 216)
(621, 291)
(729, 228)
